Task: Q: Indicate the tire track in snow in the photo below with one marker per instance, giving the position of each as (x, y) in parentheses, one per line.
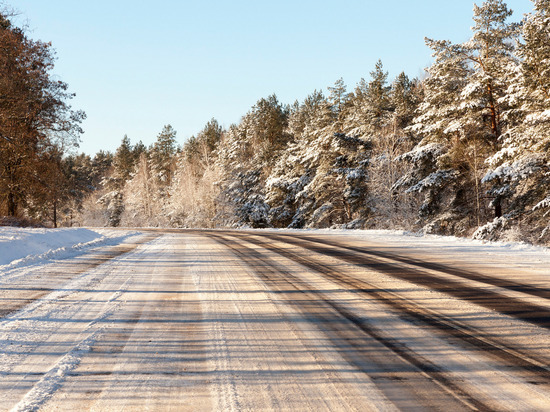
(228, 397)
(30, 327)
(537, 369)
(271, 274)
(33, 274)
(382, 262)
(53, 379)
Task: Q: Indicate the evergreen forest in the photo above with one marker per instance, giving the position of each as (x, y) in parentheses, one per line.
(464, 150)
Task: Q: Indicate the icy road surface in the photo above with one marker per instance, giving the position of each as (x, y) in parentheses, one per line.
(275, 320)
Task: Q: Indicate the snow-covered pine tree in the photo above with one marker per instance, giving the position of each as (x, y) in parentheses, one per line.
(321, 179)
(290, 203)
(405, 95)
(77, 170)
(101, 164)
(460, 121)
(124, 160)
(208, 139)
(370, 109)
(520, 170)
(246, 156)
(323, 156)
(340, 102)
(162, 155)
(391, 208)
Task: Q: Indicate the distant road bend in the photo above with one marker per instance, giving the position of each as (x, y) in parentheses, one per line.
(272, 320)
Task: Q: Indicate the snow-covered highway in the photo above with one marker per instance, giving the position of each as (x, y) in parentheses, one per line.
(275, 320)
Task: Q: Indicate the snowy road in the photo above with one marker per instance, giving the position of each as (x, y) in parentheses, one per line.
(267, 320)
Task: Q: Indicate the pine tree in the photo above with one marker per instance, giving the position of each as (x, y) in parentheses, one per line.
(377, 98)
(265, 127)
(287, 187)
(246, 156)
(370, 106)
(462, 113)
(339, 99)
(124, 160)
(200, 149)
(405, 96)
(520, 170)
(162, 155)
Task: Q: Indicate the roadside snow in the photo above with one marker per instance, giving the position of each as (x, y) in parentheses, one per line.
(417, 239)
(472, 252)
(19, 247)
(464, 244)
(461, 246)
(24, 246)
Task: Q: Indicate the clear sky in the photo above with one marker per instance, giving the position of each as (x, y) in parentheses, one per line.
(136, 66)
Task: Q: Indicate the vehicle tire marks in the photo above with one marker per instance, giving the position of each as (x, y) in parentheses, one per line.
(272, 275)
(490, 299)
(536, 370)
(52, 380)
(20, 296)
(466, 274)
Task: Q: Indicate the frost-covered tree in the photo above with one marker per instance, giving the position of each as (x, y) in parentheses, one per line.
(161, 155)
(194, 192)
(194, 195)
(391, 208)
(520, 170)
(144, 198)
(461, 120)
(246, 155)
(124, 160)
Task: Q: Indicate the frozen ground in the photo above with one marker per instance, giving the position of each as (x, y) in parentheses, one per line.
(448, 248)
(100, 319)
(18, 245)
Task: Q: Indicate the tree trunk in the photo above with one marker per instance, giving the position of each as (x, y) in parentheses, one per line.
(12, 205)
(55, 214)
(497, 203)
(498, 207)
(476, 180)
(495, 128)
(495, 117)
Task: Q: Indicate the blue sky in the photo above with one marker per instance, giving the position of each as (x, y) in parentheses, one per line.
(138, 65)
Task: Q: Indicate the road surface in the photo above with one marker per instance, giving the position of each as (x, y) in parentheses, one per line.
(236, 320)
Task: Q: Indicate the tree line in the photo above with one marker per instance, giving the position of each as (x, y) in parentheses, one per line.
(37, 126)
(463, 151)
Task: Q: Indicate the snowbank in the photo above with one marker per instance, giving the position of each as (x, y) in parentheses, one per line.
(19, 246)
